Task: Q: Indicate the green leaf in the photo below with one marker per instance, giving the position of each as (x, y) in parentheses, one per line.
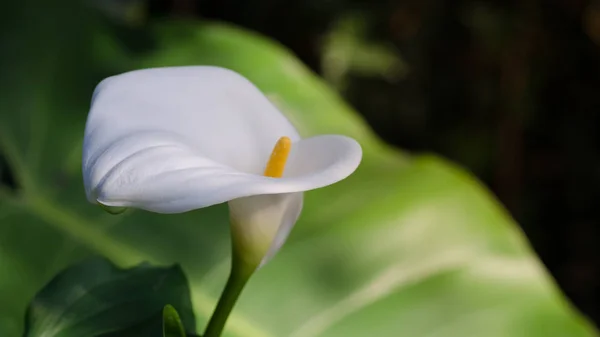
(407, 246)
(172, 326)
(95, 298)
(165, 323)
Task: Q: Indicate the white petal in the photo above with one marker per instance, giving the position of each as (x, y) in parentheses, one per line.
(171, 140)
(211, 111)
(262, 223)
(170, 176)
(288, 220)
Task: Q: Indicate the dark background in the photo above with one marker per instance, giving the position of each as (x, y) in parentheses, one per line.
(508, 89)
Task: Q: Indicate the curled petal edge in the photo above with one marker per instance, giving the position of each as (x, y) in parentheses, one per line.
(174, 179)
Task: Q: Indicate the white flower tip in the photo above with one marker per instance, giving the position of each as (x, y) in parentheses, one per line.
(324, 160)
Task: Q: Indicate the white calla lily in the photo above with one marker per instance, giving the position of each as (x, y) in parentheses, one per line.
(171, 140)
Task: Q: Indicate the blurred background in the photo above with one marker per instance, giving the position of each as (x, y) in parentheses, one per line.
(510, 90)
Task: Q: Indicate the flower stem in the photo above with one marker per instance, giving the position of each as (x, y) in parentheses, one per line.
(233, 289)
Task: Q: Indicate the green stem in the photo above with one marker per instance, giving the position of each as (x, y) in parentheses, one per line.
(233, 289)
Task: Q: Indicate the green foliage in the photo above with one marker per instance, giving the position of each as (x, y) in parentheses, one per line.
(346, 51)
(407, 246)
(172, 326)
(94, 298)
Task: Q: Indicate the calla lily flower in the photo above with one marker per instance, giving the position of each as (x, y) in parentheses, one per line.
(171, 140)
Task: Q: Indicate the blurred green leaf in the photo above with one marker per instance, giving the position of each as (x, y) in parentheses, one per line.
(346, 51)
(95, 298)
(407, 246)
(172, 326)
(165, 323)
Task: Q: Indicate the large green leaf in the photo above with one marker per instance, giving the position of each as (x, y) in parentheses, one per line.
(407, 246)
(94, 298)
